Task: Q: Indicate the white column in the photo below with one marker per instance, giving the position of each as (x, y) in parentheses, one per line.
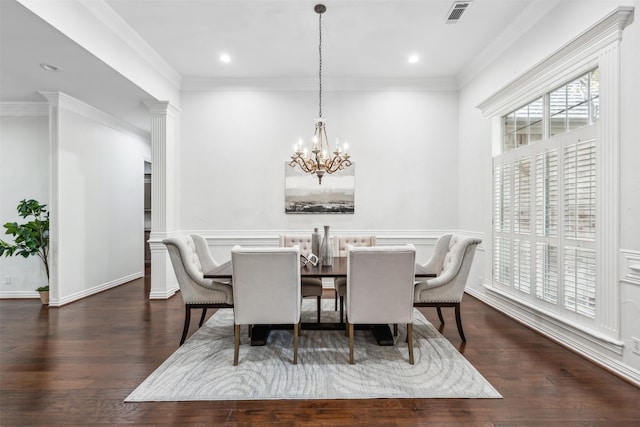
(608, 183)
(164, 182)
(54, 194)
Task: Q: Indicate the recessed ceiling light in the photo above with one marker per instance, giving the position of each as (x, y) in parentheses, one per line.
(414, 59)
(225, 58)
(50, 67)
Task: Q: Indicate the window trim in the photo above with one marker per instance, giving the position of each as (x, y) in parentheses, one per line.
(597, 47)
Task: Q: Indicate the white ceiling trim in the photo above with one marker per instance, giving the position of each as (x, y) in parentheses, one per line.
(100, 31)
(523, 23)
(575, 57)
(24, 109)
(328, 84)
(128, 35)
(69, 103)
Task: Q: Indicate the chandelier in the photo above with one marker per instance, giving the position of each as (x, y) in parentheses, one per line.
(321, 160)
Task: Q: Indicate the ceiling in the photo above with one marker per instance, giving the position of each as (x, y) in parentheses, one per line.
(266, 39)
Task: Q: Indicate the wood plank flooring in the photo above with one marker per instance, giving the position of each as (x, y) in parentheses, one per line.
(74, 366)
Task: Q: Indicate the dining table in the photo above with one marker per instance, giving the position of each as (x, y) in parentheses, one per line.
(337, 268)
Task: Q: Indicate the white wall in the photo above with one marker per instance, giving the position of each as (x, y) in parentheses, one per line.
(24, 168)
(100, 190)
(235, 144)
(553, 31)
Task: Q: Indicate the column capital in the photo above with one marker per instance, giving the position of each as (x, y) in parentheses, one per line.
(161, 108)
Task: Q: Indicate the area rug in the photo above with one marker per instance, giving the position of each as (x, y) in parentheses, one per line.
(202, 368)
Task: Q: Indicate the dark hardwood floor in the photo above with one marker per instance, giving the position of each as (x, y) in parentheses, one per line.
(75, 365)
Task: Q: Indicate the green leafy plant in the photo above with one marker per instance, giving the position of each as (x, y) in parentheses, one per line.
(30, 238)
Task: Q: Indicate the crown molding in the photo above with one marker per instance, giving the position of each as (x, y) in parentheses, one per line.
(69, 103)
(309, 84)
(99, 30)
(24, 109)
(580, 52)
(516, 29)
(114, 22)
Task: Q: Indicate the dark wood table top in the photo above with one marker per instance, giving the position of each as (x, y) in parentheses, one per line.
(338, 268)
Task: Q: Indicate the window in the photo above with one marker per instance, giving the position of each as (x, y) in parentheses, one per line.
(523, 126)
(545, 199)
(575, 104)
(555, 256)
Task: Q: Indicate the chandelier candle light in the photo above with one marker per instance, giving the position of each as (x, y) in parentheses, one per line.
(320, 161)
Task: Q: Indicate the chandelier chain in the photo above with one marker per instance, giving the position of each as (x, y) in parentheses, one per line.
(321, 160)
(320, 67)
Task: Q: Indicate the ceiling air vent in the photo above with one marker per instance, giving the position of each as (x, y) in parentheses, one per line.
(456, 11)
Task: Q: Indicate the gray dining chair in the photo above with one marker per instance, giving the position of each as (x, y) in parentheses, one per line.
(341, 246)
(380, 289)
(451, 262)
(311, 286)
(190, 257)
(266, 290)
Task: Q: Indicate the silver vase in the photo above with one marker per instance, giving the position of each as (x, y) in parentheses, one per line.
(316, 238)
(326, 251)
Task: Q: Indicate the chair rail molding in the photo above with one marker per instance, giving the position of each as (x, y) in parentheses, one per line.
(271, 237)
(221, 241)
(630, 266)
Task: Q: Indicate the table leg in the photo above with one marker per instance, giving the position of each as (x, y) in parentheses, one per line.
(259, 334)
(382, 334)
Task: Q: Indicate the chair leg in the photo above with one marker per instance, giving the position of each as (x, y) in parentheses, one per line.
(410, 341)
(204, 313)
(296, 328)
(341, 309)
(440, 315)
(236, 349)
(336, 299)
(351, 343)
(459, 322)
(319, 307)
(346, 327)
(395, 329)
(187, 320)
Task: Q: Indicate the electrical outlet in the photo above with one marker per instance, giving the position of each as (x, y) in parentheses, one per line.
(635, 345)
(7, 280)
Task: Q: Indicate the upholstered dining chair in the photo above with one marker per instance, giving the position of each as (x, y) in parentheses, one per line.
(207, 262)
(311, 286)
(266, 290)
(340, 248)
(190, 257)
(380, 282)
(451, 262)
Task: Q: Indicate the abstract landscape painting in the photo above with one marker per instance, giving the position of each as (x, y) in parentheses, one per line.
(303, 194)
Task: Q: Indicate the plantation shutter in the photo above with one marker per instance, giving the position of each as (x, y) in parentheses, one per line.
(580, 227)
(502, 222)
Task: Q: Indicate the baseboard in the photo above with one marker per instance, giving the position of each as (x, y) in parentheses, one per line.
(94, 290)
(19, 295)
(164, 295)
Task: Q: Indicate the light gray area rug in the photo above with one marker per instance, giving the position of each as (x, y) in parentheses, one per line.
(202, 369)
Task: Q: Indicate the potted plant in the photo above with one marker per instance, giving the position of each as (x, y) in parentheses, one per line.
(30, 238)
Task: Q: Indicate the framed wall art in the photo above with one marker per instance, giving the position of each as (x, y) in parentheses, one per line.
(303, 194)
